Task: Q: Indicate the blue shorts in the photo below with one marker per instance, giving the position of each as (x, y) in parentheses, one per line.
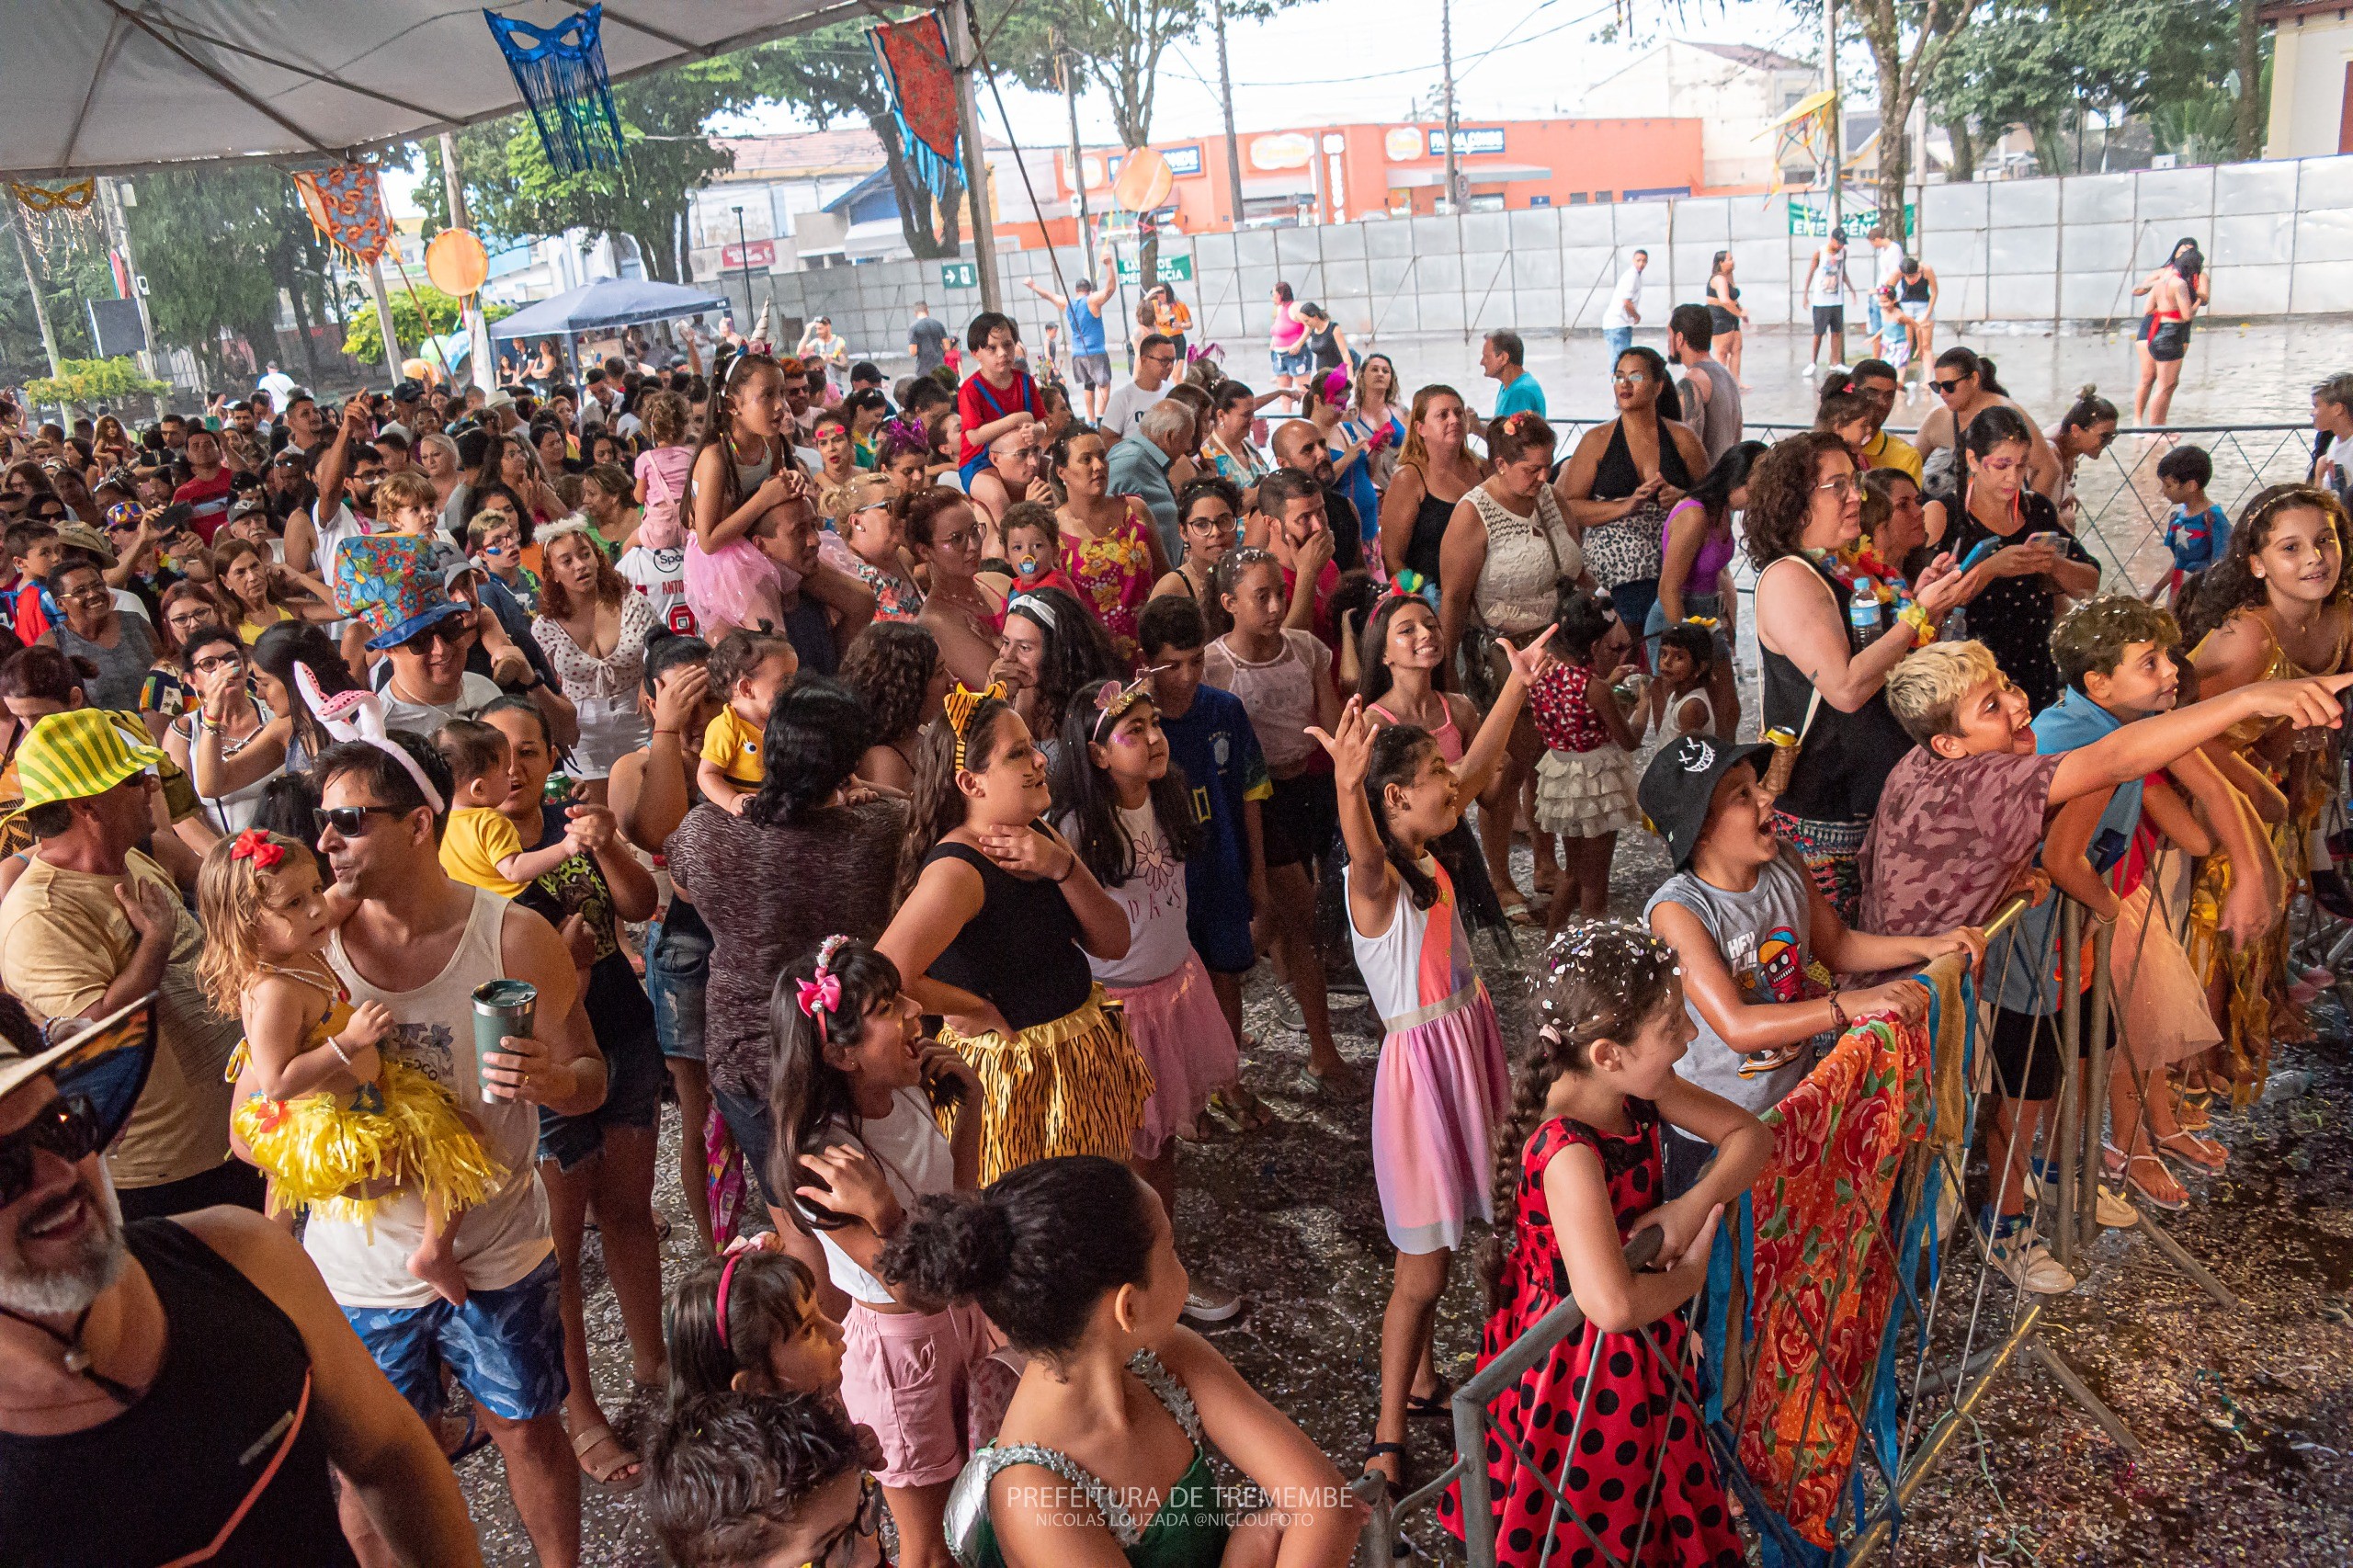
(506, 1345)
(1297, 364)
(624, 1023)
(677, 974)
(970, 471)
(1217, 920)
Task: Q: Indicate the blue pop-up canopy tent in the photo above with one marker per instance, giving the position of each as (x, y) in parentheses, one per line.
(605, 305)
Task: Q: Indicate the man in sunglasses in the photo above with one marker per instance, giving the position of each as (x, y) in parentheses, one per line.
(419, 944)
(221, 1448)
(92, 926)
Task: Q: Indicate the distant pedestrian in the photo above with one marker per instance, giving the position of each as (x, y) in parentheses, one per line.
(1826, 287)
(1625, 311)
(1090, 361)
(1287, 345)
(1502, 359)
(1726, 315)
(1170, 318)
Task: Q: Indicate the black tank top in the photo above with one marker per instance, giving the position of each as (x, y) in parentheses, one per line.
(1021, 951)
(1325, 347)
(1429, 532)
(230, 1410)
(1616, 476)
(1845, 759)
(1912, 290)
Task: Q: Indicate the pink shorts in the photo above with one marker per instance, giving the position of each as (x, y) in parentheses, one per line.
(927, 1387)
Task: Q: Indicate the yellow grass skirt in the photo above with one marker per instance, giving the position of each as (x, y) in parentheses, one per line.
(1073, 1085)
(404, 1128)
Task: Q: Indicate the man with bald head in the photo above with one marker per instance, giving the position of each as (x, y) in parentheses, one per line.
(1016, 472)
(1300, 445)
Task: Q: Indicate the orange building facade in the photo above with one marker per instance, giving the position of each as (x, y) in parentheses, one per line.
(1336, 174)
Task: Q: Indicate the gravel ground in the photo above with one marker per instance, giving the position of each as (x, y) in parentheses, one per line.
(2241, 1415)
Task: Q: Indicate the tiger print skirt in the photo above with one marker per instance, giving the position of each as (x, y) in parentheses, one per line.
(1073, 1085)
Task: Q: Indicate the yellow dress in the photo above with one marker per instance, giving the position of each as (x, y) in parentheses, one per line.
(402, 1127)
(2258, 973)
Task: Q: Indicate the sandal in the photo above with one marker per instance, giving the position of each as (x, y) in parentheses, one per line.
(2191, 1116)
(601, 1436)
(1516, 909)
(470, 1440)
(2172, 1203)
(1238, 1106)
(2204, 1154)
(1435, 1405)
(1375, 1451)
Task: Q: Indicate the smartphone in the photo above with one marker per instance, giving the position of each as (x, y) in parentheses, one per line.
(2056, 540)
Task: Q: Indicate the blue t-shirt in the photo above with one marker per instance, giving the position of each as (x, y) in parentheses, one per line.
(1218, 752)
(1523, 393)
(2068, 724)
(2197, 540)
(1085, 327)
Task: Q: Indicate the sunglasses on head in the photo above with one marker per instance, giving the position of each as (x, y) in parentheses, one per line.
(66, 1126)
(350, 822)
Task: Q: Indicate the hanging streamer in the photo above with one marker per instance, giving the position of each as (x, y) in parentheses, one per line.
(560, 71)
(346, 202)
(922, 87)
(75, 197)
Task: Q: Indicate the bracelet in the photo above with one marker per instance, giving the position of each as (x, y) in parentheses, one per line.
(1913, 616)
(674, 735)
(336, 1045)
(1838, 1019)
(1068, 872)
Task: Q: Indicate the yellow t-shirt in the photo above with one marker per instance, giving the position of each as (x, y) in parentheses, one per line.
(473, 844)
(733, 744)
(1885, 450)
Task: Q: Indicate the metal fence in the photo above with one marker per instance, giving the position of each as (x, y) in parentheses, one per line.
(1940, 1322)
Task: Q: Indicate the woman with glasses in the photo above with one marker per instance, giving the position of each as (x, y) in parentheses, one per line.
(1207, 510)
(1824, 678)
(227, 721)
(964, 610)
(871, 528)
(1623, 479)
(185, 607)
(119, 647)
(1109, 548)
(2015, 558)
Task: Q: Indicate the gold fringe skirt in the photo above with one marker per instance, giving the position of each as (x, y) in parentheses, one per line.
(404, 1128)
(1073, 1085)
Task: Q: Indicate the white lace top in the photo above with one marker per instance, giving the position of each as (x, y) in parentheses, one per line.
(1526, 557)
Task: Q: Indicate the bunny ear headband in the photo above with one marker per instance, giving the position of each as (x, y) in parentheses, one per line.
(359, 716)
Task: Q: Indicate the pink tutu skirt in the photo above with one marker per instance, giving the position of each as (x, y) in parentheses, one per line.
(1180, 1032)
(1441, 1090)
(735, 585)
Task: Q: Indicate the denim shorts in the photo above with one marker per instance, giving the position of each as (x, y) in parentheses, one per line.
(677, 974)
(623, 1019)
(747, 1123)
(506, 1345)
(1295, 364)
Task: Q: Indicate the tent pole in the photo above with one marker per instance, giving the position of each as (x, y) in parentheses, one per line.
(485, 367)
(384, 316)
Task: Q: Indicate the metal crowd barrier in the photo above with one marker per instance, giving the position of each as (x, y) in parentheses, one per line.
(1945, 1340)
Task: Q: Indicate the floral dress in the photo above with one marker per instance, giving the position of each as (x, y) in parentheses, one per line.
(1114, 570)
(1633, 1412)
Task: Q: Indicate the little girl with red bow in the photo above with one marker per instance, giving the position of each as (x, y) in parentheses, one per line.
(331, 1120)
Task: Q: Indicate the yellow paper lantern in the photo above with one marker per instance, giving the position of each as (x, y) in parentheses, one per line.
(1145, 179)
(456, 262)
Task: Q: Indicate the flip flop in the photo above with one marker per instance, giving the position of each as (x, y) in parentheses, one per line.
(1435, 1405)
(1375, 1451)
(585, 1442)
(2202, 1153)
(2142, 1193)
(472, 1439)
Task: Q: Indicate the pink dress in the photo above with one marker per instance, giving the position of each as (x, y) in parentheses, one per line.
(735, 585)
(1115, 574)
(663, 473)
(1442, 1087)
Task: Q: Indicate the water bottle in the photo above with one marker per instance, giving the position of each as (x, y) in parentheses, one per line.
(1863, 609)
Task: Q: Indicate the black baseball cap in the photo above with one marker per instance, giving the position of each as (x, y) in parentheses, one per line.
(408, 390)
(1680, 782)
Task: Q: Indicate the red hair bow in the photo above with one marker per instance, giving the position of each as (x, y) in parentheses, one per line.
(256, 845)
(825, 992)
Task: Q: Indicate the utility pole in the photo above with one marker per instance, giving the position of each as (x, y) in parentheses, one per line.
(965, 48)
(1834, 164)
(744, 254)
(1445, 67)
(32, 285)
(1225, 99)
(1063, 60)
(485, 365)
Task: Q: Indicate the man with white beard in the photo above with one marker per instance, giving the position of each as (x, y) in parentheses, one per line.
(176, 1390)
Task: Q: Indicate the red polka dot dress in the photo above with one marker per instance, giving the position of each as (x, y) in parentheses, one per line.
(1632, 1412)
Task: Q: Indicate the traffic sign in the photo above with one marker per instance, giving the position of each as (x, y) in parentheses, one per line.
(960, 275)
(1172, 268)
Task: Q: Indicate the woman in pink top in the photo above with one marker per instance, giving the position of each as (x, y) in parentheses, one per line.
(1287, 340)
(1696, 545)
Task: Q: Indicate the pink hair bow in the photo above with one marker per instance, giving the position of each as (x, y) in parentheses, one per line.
(825, 992)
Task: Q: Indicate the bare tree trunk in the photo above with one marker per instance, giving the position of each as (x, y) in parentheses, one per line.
(1964, 148)
(2247, 117)
(913, 197)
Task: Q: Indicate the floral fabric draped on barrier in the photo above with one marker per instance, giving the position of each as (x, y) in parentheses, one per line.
(1818, 1296)
(914, 59)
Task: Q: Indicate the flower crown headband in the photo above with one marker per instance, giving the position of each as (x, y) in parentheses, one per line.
(1114, 699)
(961, 703)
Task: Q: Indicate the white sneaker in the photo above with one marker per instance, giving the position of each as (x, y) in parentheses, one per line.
(1211, 1304)
(2022, 1256)
(1812, 370)
(2115, 1212)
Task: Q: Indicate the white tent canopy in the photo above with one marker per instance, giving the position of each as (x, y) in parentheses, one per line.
(95, 87)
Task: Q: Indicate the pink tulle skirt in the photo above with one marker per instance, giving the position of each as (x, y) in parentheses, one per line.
(735, 585)
(1180, 1032)
(1441, 1090)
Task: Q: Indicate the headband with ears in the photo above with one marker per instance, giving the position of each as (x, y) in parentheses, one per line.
(961, 703)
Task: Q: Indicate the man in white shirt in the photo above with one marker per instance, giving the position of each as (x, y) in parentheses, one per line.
(1826, 287)
(277, 383)
(1625, 311)
(1887, 266)
(1155, 365)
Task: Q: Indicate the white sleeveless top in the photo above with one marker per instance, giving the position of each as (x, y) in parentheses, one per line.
(1526, 557)
(501, 1239)
(1420, 969)
(917, 1162)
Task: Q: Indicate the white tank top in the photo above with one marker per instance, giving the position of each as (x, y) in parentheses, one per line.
(917, 1162)
(499, 1240)
(1420, 969)
(1527, 558)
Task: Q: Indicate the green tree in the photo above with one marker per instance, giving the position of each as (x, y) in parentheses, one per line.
(364, 339)
(217, 246)
(71, 267)
(1908, 41)
(84, 383)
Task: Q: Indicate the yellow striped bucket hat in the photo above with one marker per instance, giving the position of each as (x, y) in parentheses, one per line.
(73, 755)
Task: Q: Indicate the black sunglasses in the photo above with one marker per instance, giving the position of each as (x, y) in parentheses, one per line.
(1953, 385)
(66, 1126)
(348, 820)
(450, 630)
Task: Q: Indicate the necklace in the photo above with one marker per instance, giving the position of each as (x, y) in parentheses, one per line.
(77, 1360)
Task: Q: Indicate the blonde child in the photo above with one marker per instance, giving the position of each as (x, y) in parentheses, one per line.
(753, 668)
(1440, 1087)
(1585, 783)
(1579, 1166)
(323, 1113)
(481, 847)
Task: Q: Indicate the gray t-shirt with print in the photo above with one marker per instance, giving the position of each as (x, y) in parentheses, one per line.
(1762, 936)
